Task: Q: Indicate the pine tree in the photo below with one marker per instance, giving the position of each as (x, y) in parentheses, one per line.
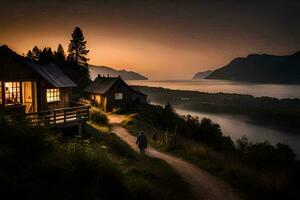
(77, 49)
(46, 56)
(59, 55)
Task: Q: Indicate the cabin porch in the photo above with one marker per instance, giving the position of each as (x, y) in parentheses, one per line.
(56, 118)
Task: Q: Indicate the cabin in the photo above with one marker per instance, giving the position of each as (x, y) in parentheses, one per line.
(112, 93)
(27, 87)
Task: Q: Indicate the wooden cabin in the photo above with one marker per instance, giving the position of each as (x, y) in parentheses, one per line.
(29, 87)
(112, 93)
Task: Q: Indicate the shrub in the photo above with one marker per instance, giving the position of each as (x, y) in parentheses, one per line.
(98, 116)
(84, 101)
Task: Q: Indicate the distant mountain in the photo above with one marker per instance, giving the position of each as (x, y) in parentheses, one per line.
(126, 75)
(261, 68)
(202, 75)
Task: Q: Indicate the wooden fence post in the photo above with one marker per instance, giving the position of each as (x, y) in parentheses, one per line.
(65, 116)
(54, 117)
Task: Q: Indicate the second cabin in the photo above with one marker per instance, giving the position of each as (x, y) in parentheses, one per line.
(112, 93)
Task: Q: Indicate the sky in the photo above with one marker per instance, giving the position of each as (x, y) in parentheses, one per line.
(161, 39)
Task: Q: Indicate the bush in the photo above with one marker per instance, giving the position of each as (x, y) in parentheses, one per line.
(81, 172)
(97, 116)
(36, 165)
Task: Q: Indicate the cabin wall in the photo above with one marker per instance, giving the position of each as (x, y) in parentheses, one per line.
(99, 99)
(65, 95)
(125, 102)
(108, 101)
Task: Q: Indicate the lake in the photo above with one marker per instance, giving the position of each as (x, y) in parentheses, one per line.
(213, 86)
(233, 125)
(238, 126)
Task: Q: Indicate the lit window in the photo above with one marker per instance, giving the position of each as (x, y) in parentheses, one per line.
(12, 93)
(53, 95)
(118, 96)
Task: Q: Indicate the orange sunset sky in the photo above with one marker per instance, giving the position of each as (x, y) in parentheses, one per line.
(159, 39)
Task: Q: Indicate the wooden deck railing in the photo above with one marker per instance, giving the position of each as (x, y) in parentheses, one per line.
(57, 117)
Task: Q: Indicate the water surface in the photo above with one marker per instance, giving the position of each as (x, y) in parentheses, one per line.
(213, 86)
(239, 126)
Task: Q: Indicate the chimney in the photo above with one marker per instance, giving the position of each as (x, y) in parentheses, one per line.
(99, 75)
(107, 75)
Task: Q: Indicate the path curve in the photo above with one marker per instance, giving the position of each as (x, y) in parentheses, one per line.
(202, 184)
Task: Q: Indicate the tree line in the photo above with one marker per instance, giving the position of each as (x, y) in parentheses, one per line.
(74, 64)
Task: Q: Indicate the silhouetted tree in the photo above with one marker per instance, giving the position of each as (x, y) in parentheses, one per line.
(77, 48)
(60, 56)
(77, 60)
(29, 55)
(169, 107)
(34, 54)
(46, 56)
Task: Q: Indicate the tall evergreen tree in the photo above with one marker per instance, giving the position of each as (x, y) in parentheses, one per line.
(46, 56)
(77, 49)
(59, 55)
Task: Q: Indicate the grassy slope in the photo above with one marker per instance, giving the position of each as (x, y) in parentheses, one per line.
(251, 183)
(37, 163)
(147, 178)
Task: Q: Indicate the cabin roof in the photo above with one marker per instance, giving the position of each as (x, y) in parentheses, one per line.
(52, 74)
(49, 72)
(102, 85)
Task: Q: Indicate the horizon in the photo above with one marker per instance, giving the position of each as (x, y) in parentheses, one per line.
(145, 37)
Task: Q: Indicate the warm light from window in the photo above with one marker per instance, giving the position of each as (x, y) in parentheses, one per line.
(12, 93)
(53, 95)
(118, 96)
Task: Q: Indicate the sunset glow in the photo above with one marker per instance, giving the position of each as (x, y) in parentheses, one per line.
(156, 40)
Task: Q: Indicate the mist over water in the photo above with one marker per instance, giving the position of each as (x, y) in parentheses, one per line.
(214, 86)
(237, 126)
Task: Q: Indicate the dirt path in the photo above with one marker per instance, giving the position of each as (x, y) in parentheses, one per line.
(202, 184)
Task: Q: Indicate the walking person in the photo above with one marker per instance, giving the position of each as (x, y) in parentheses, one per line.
(142, 143)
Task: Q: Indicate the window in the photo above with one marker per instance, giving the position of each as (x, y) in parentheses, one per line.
(53, 95)
(118, 96)
(12, 93)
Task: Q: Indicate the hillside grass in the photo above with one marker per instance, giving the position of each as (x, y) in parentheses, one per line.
(257, 171)
(37, 163)
(146, 178)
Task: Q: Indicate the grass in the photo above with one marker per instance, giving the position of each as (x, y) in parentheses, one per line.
(148, 178)
(37, 163)
(273, 178)
(252, 183)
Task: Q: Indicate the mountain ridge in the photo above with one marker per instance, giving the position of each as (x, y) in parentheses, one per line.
(261, 68)
(202, 74)
(105, 70)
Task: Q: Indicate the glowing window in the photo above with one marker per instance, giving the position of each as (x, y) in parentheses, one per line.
(53, 95)
(118, 96)
(12, 93)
